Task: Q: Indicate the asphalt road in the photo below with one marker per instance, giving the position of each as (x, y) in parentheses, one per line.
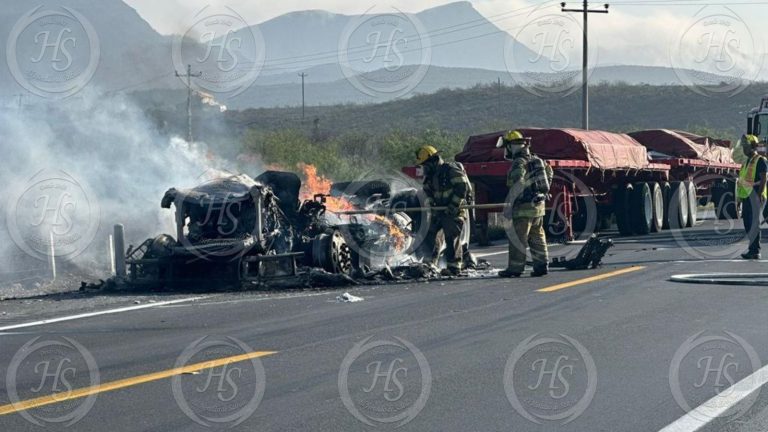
(619, 348)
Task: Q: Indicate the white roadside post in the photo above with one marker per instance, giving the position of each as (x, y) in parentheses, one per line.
(111, 249)
(53, 259)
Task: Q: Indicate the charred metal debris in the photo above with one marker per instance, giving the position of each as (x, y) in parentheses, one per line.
(249, 232)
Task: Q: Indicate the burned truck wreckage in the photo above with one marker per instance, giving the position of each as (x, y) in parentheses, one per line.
(240, 230)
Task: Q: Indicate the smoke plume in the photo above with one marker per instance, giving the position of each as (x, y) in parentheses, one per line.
(74, 168)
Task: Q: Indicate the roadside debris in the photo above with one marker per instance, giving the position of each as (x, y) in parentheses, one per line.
(348, 298)
(590, 256)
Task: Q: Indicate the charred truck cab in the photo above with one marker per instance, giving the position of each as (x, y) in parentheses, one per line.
(238, 229)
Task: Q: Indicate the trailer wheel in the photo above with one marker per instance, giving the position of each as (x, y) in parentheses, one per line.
(679, 207)
(642, 209)
(621, 208)
(693, 204)
(657, 195)
(666, 192)
(724, 198)
(481, 233)
(585, 218)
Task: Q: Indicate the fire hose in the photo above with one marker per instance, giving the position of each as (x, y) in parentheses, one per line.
(386, 210)
(743, 279)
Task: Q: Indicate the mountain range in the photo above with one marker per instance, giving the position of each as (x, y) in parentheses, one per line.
(467, 49)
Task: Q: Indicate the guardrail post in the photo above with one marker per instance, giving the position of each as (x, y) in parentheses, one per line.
(53, 259)
(119, 251)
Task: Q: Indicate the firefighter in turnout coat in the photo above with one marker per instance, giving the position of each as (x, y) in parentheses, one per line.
(446, 185)
(529, 180)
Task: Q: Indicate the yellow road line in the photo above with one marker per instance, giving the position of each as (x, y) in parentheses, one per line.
(590, 279)
(128, 382)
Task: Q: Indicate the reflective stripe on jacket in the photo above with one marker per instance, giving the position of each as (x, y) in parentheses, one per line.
(747, 181)
(449, 186)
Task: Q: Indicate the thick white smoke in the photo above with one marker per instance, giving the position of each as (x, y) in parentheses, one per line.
(72, 169)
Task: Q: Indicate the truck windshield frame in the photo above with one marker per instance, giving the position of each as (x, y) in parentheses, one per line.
(757, 127)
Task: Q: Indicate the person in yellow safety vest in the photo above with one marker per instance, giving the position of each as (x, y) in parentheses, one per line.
(529, 180)
(446, 185)
(751, 191)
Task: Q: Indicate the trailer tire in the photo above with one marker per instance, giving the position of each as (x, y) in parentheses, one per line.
(641, 209)
(657, 195)
(666, 192)
(693, 204)
(724, 198)
(677, 217)
(481, 233)
(585, 218)
(621, 208)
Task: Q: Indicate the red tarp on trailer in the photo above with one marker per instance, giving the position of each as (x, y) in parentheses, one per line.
(707, 141)
(682, 144)
(604, 150)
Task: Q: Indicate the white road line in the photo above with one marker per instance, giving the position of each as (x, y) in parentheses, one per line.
(483, 255)
(550, 246)
(256, 299)
(715, 407)
(719, 261)
(93, 314)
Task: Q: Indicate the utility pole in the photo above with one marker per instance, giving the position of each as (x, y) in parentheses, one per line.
(498, 88)
(585, 56)
(189, 75)
(20, 98)
(302, 75)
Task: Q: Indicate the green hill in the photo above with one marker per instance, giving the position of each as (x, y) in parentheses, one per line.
(345, 139)
(613, 107)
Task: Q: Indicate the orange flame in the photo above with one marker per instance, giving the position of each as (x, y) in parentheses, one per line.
(396, 234)
(315, 184)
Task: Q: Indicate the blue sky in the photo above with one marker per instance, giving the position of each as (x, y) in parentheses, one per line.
(646, 32)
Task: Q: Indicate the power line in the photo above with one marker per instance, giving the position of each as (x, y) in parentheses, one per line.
(138, 84)
(436, 32)
(300, 61)
(682, 3)
(306, 60)
(585, 60)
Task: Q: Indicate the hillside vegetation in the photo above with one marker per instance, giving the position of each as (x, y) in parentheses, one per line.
(345, 139)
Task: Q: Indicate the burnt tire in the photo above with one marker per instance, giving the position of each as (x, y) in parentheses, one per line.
(641, 209)
(621, 208)
(331, 253)
(677, 217)
(693, 204)
(657, 196)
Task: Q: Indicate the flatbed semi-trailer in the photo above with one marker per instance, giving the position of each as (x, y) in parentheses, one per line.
(585, 198)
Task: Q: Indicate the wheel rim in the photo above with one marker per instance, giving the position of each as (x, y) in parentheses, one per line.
(658, 207)
(683, 204)
(648, 208)
(693, 204)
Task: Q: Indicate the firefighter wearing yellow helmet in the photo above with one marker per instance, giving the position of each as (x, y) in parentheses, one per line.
(751, 191)
(446, 185)
(529, 179)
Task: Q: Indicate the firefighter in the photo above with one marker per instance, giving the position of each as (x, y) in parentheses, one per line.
(446, 185)
(751, 191)
(529, 180)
